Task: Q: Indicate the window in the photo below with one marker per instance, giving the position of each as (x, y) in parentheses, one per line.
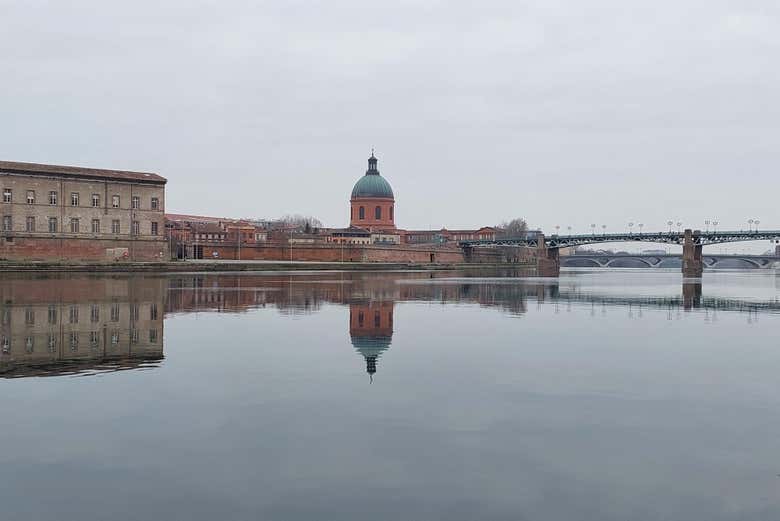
(377, 319)
(115, 201)
(391, 213)
(52, 225)
(52, 314)
(53, 198)
(74, 225)
(94, 314)
(115, 226)
(30, 224)
(134, 336)
(74, 341)
(114, 312)
(74, 199)
(95, 225)
(155, 203)
(154, 228)
(95, 201)
(378, 212)
(361, 213)
(114, 338)
(52, 343)
(153, 312)
(6, 344)
(136, 228)
(94, 338)
(29, 316)
(29, 344)
(73, 315)
(152, 336)
(30, 196)
(136, 202)
(7, 223)
(7, 195)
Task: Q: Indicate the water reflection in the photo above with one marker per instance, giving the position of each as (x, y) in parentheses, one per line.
(82, 324)
(79, 325)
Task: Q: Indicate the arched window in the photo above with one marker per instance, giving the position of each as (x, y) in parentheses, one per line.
(362, 213)
(378, 212)
(391, 213)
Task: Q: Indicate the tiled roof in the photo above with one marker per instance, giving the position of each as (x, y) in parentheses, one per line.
(78, 171)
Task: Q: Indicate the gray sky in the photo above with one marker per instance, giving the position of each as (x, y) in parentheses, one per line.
(562, 112)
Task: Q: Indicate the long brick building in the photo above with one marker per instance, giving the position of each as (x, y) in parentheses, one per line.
(67, 213)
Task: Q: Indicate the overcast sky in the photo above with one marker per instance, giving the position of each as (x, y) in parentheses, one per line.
(562, 112)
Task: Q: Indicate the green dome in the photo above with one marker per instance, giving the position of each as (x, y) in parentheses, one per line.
(372, 184)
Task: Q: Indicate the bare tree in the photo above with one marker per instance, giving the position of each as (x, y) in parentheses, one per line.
(305, 224)
(515, 228)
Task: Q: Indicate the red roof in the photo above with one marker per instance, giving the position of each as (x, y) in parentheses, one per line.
(78, 171)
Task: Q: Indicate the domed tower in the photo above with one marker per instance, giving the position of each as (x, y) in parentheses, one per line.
(372, 204)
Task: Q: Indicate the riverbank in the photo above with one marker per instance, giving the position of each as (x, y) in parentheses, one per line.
(229, 266)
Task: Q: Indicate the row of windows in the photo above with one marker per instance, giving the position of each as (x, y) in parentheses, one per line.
(75, 337)
(75, 225)
(73, 314)
(377, 213)
(75, 199)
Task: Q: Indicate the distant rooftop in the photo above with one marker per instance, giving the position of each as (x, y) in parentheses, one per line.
(79, 171)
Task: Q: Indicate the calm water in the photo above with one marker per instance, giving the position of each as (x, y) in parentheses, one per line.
(611, 395)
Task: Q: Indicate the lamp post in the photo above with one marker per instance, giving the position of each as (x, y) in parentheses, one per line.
(593, 228)
(631, 228)
(670, 223)
(604, 229)
(750, 225)
(756, 222)
(706, 226)
(640, 228)
(568, 229)
(715, 226)
(679, 226)
(557, 228)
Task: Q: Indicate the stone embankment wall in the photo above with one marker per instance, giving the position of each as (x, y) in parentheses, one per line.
(337, 253)
(44, 249)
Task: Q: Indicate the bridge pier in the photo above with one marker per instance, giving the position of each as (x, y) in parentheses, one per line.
(692, 262)
(548, 261)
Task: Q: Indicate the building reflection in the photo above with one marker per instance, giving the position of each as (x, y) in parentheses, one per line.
(80, 324)
(371, 330)
(77, 324)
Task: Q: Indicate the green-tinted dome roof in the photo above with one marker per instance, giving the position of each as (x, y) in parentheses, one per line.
(372, 184)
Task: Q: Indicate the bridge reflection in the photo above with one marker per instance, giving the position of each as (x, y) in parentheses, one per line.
(87, 324)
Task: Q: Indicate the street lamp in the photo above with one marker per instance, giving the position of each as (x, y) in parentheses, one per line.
(568, 228)
(715, 226)
(631, 228)
(679, 225)
(557, 228)
(756, 222)
(670, 223)
(593, 228)
(750, 225)
(640, 228)
(604, 229)
(706, 226)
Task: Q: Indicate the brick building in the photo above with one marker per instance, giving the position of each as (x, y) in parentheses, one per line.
(197, 236)
(66, 213)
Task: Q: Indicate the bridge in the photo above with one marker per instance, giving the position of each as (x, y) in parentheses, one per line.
(627, 260)
(547, 248)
